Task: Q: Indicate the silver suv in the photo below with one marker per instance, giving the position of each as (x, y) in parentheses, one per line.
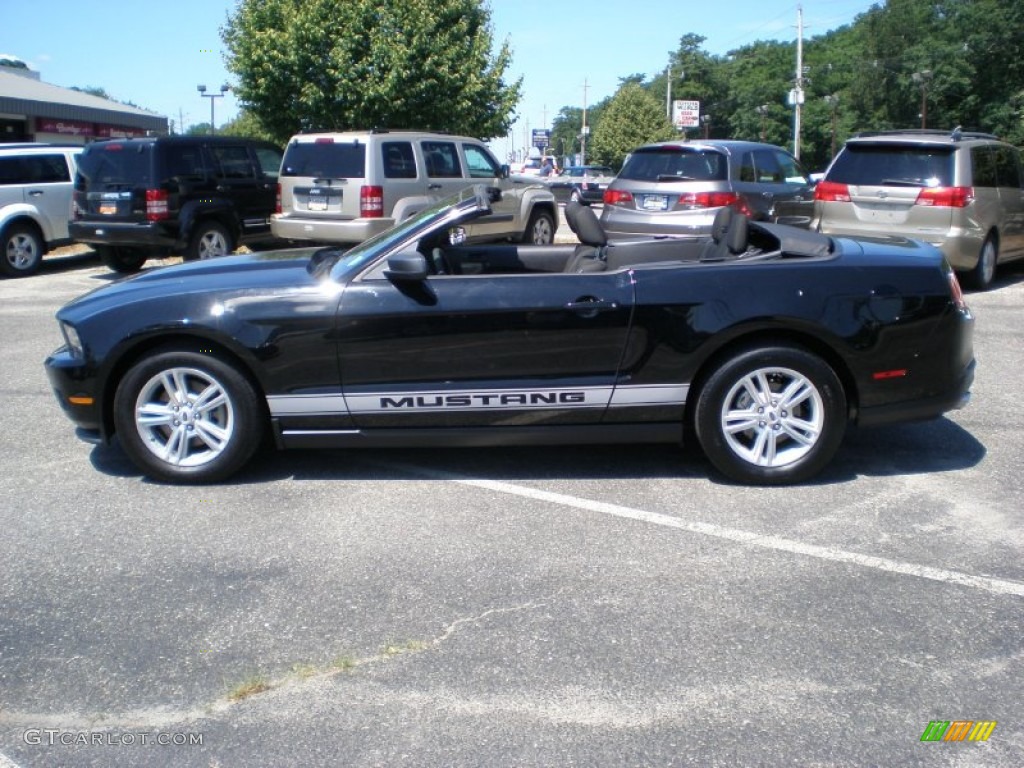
(347, 187)
(959, 191)
(677, 187)
(36, 182)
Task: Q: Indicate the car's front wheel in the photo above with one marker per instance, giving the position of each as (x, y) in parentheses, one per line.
(541, 229)
(771, 415)
(122, 259)
(209, 240)
(187, 416)
(22, 251)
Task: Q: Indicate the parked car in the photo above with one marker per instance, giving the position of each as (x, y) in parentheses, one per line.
(583, 183)
(677, 187)
(766, 339)
(202, 195)
(347, 187)
(35, 203)
(958, 190)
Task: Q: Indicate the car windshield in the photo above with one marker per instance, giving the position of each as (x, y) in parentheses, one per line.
(411, 228)
(675, 164)
(893, 165)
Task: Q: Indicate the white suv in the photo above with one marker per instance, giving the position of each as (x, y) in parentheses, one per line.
(36, 182)
(347, 187)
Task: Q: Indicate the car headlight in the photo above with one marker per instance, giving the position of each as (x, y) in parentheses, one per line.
(72, 339)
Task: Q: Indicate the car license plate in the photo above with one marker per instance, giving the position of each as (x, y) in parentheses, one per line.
(655, 203)
(108, 209)
(317, 204)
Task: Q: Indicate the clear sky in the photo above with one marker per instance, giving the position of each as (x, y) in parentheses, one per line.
(557, 45)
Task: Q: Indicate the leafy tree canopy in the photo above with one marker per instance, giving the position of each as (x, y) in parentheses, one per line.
(632, 117)
(356, 64)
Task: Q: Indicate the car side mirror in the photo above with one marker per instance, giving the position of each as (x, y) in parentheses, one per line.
(505, 171)
(407, 266)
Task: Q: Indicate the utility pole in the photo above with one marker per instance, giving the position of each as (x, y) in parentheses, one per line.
(583, 134)
(668, 92)
(798, 91)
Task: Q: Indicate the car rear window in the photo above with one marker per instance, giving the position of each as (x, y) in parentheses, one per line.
(890, 165)
(675, 164)
(117, 165)
(325, 159)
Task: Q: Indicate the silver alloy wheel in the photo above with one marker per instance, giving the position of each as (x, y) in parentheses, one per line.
(212, 244)
(22, 251)
(543, 233)
(772, 417)
(184, 417)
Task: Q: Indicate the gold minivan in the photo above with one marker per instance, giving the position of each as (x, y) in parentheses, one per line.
(958, 190)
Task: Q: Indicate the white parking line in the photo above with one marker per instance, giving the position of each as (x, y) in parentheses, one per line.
(777, 543)
(6, 763)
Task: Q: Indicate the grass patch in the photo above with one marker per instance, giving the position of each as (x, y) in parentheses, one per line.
(248, 688)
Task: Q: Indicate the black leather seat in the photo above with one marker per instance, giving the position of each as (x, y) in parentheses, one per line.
(590, 255)
(729, 236)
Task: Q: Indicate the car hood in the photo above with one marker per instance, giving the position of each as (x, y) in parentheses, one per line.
(258, 273)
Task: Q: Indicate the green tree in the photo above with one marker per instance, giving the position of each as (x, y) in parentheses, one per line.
(353, 64)
(632, 117)
(246, 124)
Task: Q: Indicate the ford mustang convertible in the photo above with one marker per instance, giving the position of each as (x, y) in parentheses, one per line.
(762, 342)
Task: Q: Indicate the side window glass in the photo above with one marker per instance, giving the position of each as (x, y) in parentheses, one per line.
(767, 167)
(442, 160)
(983, 162)
(480, 163)
(1008, 167)
(399, 162)
(184, 163)
(46, 169)
(269, 160)
(792, 172)
(233, 162)
(747, 167)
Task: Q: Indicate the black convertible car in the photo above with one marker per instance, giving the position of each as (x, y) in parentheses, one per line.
(763, 341)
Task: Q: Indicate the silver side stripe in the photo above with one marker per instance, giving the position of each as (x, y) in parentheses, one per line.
(479, 400)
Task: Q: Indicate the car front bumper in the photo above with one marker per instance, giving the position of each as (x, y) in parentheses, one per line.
(74, 385)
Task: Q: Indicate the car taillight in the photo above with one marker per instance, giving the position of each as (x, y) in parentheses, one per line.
(277, 203)
(371, 202)
(946, 197)
(831, 192)
(956, 293)
(710, 200)
(617, 197)
(156, 205)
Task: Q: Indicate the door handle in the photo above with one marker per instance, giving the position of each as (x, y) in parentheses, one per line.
(433, 186)
(35, 193)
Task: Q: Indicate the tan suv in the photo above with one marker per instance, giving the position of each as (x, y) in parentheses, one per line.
(959, 191)
(347, 187)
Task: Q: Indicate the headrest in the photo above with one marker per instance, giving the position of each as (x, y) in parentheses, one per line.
(737, 236)
(584, 222)
(721, 223)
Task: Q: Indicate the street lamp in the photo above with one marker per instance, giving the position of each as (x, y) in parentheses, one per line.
(833, 103)
(922, 78)
(211, 96)
(763, 112)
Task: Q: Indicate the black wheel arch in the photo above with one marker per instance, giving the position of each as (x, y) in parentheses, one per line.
(125, 358)
(194, 213)
(770, 337)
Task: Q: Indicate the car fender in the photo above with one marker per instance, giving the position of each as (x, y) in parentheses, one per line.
(20, 212)
(537, 197)
(407, 207)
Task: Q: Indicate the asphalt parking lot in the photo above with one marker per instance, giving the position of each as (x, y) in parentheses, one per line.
(588, 606)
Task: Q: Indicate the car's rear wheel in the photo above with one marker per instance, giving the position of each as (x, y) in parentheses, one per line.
(576, 197)
(540, 230)
(771, 415)
(122, 259)
(22, 251)
(209, 240)
(980, 278)
(187, 417)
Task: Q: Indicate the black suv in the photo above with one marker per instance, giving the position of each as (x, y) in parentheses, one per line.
(201, 195)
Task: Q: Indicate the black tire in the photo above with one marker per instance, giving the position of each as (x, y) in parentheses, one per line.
(784, 441)
(122, 259)
(980, 278)
(209, 240)
(541, 229)
(576, 197)
(185, 439)
(22, 251)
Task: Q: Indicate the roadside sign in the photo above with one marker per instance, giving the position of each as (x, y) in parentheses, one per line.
(685, 114)
(541, 137)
